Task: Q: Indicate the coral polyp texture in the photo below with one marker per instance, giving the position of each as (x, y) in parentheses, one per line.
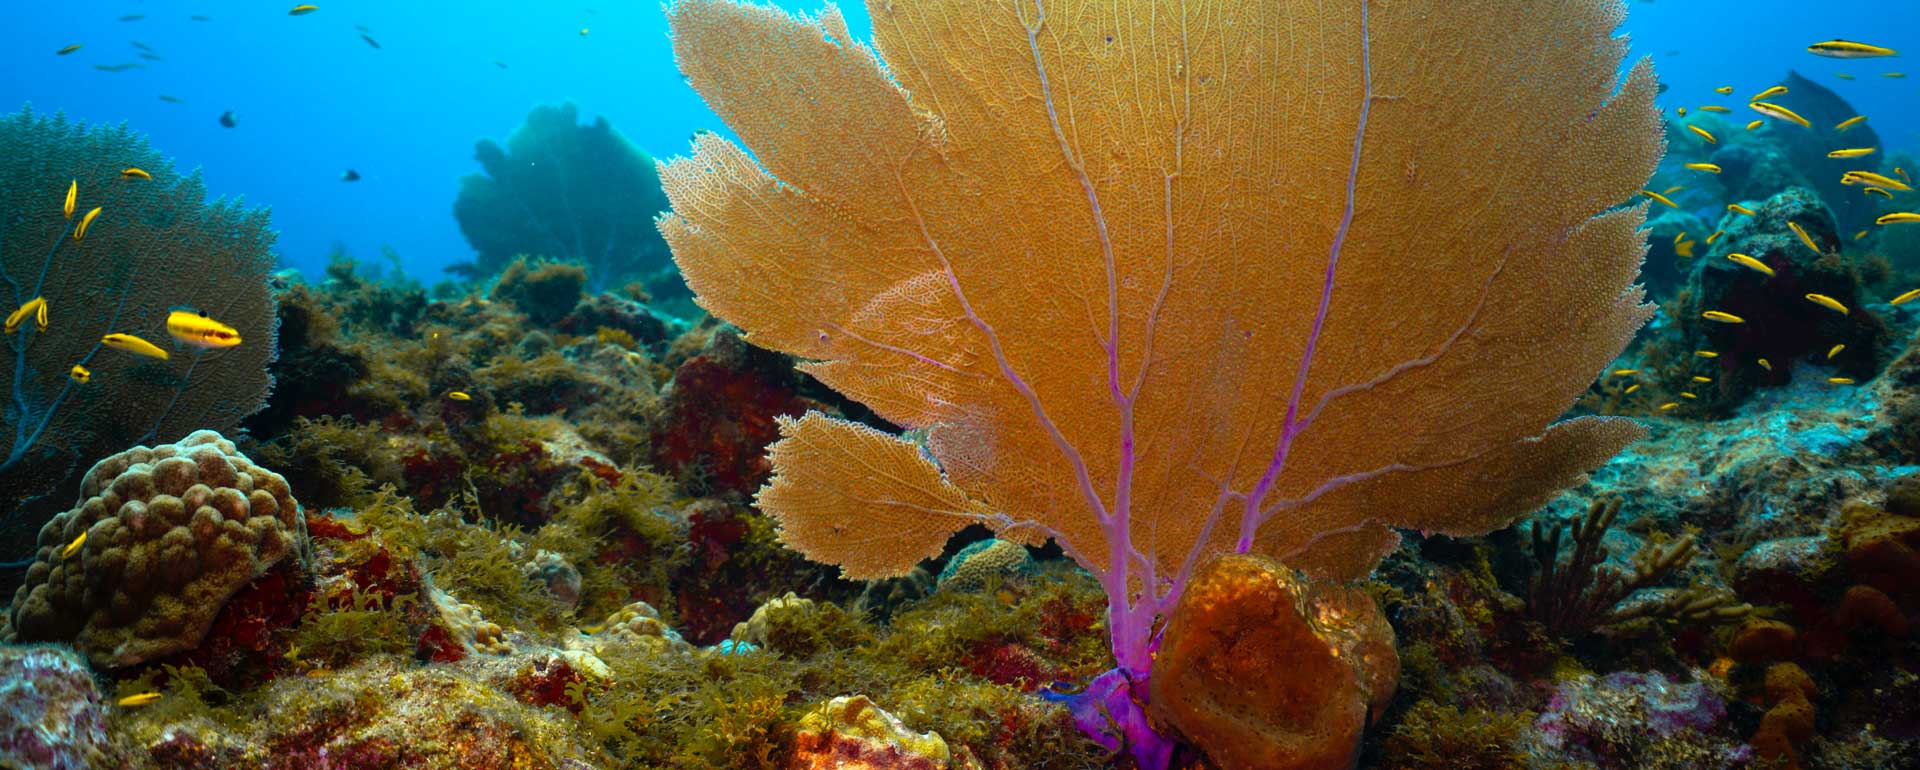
(171, 531)
(1160, 282)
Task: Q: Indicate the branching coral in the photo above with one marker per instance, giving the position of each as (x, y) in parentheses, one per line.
(1163, 281)
(155, 244)
(1583, 593)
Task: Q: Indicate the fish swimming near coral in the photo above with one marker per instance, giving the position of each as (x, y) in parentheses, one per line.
(132, 344)
(1776, 111)
(194, 328)
(35, 308)
(226, 119)
(80, 374)
(1847, 49)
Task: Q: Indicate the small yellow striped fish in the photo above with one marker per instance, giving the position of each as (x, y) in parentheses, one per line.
(1862, 233)
(1774, 91)
(1715, 236)
(1725, 318)
(1876, 191)
(73, 195)
(1835, 350)
(1661, 198)
(80, 374)
(1714, 108)
(1753, 124)
(459, 395)
(35, 308)
(1630, 389)
(1847, 49)
(1707, 167)
(85, 222)
(1804, 237)
(1764, 364)
(1897, 217)
(194, 328)
(1752, 263)
(1852, 152)
(1723, 90)
(141, 699)
(1893, 74)
(1905, 297)
(1673, 189)
(1684, 394)
(1703, 134)
(134, 345)
(1849, 122)
(67, 50)
(302, 10)
(1700, 379)
(74, 546)
(1873, 179)
(1669, 406)
(1828, 303)
(1778, 112)
(132, 172)
(1625, 372)
(1739, 209)
(1843, 76)
(1706, 354)
(1840, 380)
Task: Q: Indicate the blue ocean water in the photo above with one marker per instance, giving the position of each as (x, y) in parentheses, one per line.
(312, 98)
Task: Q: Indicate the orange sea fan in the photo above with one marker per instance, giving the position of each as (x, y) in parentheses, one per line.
(1167, 279)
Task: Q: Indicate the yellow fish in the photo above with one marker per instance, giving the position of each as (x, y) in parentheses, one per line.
(73, 194)
(1684, 394)
(1847, 49)
(1704, 134)
(1835, 350)
(1682, 111)
(1898, 217)
(1630, 389)
(1840, 380)
(1661, 198)
(80, 374)
(1905, 297)
(1851, 152)
(141, 699)
(1739, 209)
(1698, 378)
(1673, 189)
(1863, 233)
(1753, 124)
(1849, 123)
(85, 222)
(67, 50)
(1843, 76)
(135, 173)
(1625, 372)
(1764, 364)
(459, 395)
(1714, 108)
(1707, 167)
(1752, 263)
(1776, 111)
(1774, 91)
(1679, 236)
(1828, 303)
(192, 327)
(1876, 191)
(134, 345)
(302, 10)
(1876, 180)
(1725, 318)
(1723, 90)
(74, 546)
(36, 307)
(1715, 236)
(1893, 74)
(1706, 354)
(1804, 237)
(1669, 406)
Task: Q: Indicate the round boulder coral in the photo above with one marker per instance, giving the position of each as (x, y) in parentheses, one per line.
(171, 532)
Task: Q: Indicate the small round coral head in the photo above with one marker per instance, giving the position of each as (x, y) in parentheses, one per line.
(196, 329)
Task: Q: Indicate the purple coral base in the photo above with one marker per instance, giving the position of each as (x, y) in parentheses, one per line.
(1108, 712)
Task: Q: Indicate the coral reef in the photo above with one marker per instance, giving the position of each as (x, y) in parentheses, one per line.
(569, 192)
(54, 717)
(156, 244)
(161, 538)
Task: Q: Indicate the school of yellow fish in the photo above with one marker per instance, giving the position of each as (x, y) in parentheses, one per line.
(1871, 183)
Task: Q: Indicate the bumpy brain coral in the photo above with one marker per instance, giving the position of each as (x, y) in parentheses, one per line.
(171, 532)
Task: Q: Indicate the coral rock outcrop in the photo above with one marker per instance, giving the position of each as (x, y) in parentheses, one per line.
(1245, 618)
(172, 531)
